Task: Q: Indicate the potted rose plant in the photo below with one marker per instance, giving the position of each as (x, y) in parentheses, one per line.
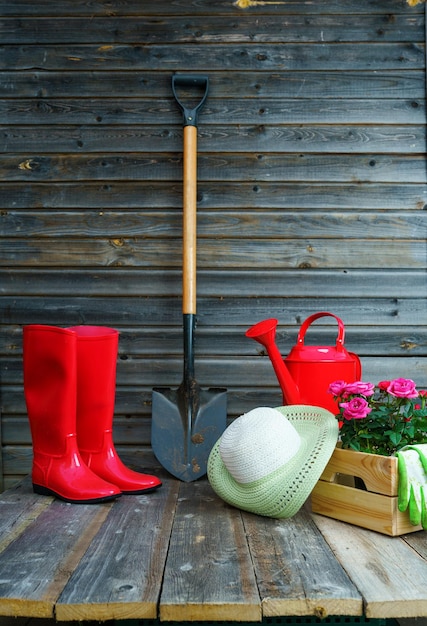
(380, 419)
(369, 480)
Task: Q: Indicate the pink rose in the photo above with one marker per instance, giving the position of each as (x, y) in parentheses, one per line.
(337, 387)
(402, 388)
(356, 409)
(358, 387)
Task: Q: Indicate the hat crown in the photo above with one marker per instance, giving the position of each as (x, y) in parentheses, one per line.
(258, 443)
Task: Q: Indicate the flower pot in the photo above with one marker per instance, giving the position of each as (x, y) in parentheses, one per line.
(361, 489)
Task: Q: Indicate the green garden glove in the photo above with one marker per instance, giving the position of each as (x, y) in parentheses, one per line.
(412, 489)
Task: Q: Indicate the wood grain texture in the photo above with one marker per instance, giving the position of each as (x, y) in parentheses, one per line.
(354, 84)
(311, 189)
(379, 473)
(18, 509)
(104, 197)
(377, 512)
(242, 57)
(208, 573)
(192, 7)
(182, 554)
(120, 576)
(373, 168)
(217, 138)
(282, 110)
(178, 30)
(35, 567)
(386, 572)
(296, 571)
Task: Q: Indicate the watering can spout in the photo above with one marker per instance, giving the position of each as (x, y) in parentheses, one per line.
(265, 333)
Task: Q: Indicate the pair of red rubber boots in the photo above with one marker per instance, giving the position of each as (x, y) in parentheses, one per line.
(69, 388)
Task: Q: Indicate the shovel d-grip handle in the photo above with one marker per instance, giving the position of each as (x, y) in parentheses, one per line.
(187, 82)
(314, 317)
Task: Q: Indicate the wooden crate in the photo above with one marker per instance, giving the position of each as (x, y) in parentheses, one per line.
(372, 504)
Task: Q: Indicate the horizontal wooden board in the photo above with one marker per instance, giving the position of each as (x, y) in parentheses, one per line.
(18, 459)
(216, 56)
(218, 224)
(212, 312)
(152, 195)
(256, 371)
(128, 431)
(220, 254)
(255, 167)
(239, 110)
(167, 342)
(184, 7)
(401, 84)
(241, 29)
(269, 138)
(247, 283)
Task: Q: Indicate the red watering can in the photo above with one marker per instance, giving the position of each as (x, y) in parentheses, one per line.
(306, 373)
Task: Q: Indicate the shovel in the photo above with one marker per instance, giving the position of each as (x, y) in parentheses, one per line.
(187, 422)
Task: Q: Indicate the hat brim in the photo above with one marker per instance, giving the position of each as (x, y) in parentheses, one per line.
(283, 492)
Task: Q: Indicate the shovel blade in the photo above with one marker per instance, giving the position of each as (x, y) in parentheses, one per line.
(183, 450)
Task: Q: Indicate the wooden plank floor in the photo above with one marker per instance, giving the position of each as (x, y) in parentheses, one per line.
(120, 575)
(393, 576)
(182, 554)
(209, 573)
(296, 571)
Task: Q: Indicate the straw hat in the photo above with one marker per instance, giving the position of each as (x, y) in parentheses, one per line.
(268, 460)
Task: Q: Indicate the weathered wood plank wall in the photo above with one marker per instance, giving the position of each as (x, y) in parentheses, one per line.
(312, 188)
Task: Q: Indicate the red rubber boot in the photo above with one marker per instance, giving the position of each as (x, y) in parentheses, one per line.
(50, 386)
(97, 349)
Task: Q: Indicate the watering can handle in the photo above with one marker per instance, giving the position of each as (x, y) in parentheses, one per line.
(315, 316)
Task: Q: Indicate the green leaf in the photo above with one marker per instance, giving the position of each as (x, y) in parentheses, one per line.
(395, 438)
(410, 430)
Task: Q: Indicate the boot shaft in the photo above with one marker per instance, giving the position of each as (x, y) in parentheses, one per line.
(50, 383)
(97, 349)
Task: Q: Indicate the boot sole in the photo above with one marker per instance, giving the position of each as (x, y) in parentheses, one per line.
(138, 492)
(45, 491)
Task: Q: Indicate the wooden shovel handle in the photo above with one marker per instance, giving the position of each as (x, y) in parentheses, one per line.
(189, 220)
